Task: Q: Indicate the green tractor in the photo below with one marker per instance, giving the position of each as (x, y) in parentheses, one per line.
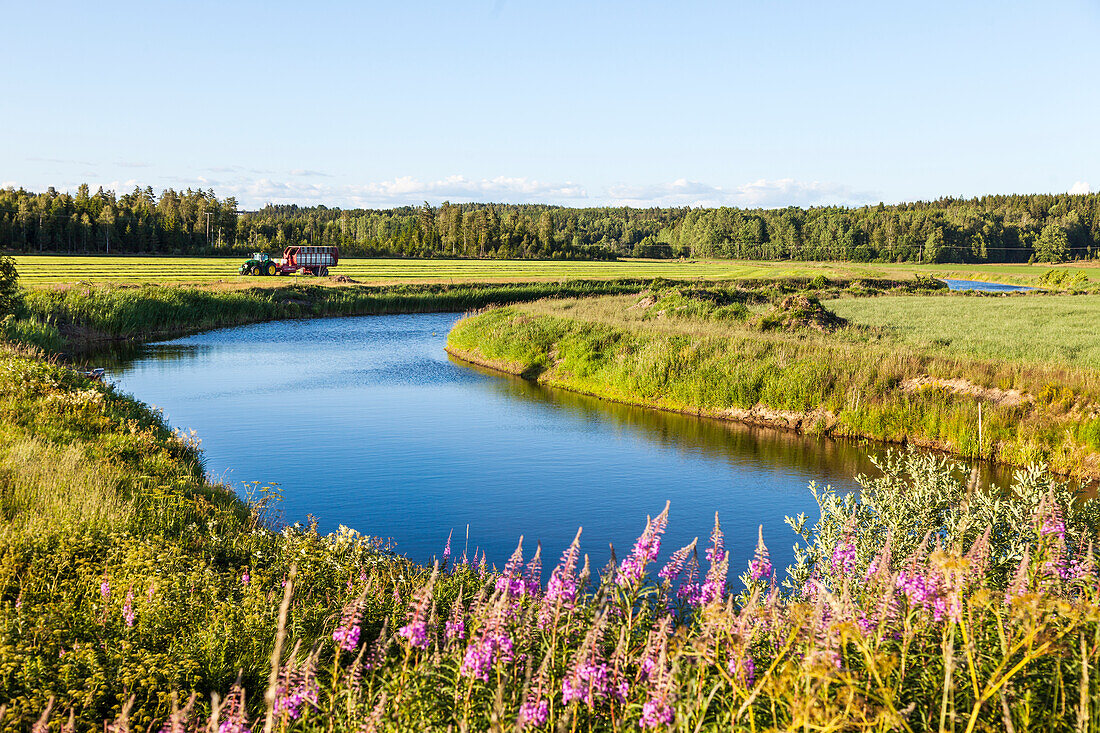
(259, 264)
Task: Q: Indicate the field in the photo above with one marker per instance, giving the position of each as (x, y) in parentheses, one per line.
(44, 270)
(1060, 329)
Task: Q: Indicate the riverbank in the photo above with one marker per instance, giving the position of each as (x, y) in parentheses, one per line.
(690, 353)
(83, 318)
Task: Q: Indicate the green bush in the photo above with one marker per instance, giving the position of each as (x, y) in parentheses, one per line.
(10, 294)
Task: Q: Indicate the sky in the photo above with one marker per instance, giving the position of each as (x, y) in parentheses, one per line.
(770, 103)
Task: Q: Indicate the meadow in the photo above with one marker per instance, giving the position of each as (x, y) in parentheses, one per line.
(1052, 329)
(785, 359)
(45, 270)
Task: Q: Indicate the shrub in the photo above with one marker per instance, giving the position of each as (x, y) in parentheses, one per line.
(10, 294)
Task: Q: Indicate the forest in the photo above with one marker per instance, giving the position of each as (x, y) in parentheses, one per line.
(996, 228)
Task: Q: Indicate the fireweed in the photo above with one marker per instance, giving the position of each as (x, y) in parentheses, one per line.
(905, 607)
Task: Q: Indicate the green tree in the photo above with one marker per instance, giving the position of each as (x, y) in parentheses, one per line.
(1052, 244)
(10, 294)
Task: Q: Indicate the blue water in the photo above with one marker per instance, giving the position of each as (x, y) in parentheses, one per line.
(984, 286)
(368, 423)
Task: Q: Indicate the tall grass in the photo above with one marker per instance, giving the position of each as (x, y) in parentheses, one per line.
(87, 314)
(847, 383)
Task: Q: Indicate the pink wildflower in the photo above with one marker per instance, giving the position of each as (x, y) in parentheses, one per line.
(511, 580)
(416, 630)
(844, 557)
(346, 635)
(128, 614)
(671, 571)
(233, 717)
(656, 714)
(561, 589)
(690, 592)
(455, 627)
(645, 551)
(761, 565)
(714, 587)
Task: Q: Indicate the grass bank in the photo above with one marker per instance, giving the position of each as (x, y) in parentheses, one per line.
(726, 354)
(83, 317)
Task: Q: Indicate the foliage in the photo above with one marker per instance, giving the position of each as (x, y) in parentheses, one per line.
(920, 503)
(1075, 280)
(86, 314)
(10, 294)
(885, 632)
(1052, 244)
(1014, 228)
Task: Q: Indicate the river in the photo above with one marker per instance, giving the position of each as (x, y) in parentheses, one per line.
(367, 422)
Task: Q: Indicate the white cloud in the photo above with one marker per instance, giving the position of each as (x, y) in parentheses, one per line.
(763, 193)
(1079, 187)
(400, 191)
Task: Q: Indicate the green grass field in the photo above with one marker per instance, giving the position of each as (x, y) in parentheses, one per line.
(47, 270)
(1059, 329)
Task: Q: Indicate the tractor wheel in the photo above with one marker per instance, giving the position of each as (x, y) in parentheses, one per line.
(255, 270)
(271, 268)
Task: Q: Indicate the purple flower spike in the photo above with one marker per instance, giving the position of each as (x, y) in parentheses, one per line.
(844, 556)
(128, 614)
(761, 565)
(416, 630)
(645, 551)
(676, 563)
(656, 714)
(561, 589)
(511, 581)
(717, 550)
(534, 712)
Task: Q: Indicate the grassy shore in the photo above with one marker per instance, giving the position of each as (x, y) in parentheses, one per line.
(85, 317)
(872, 377)
(45, 270)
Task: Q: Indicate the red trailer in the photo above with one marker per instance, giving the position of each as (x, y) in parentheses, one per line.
(314, 260)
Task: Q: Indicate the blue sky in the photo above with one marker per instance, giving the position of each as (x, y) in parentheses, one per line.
(640, 103)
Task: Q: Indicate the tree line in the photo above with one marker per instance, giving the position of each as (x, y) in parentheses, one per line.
(1003, 228)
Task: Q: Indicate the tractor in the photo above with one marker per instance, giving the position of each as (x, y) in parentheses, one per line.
(259, 264)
